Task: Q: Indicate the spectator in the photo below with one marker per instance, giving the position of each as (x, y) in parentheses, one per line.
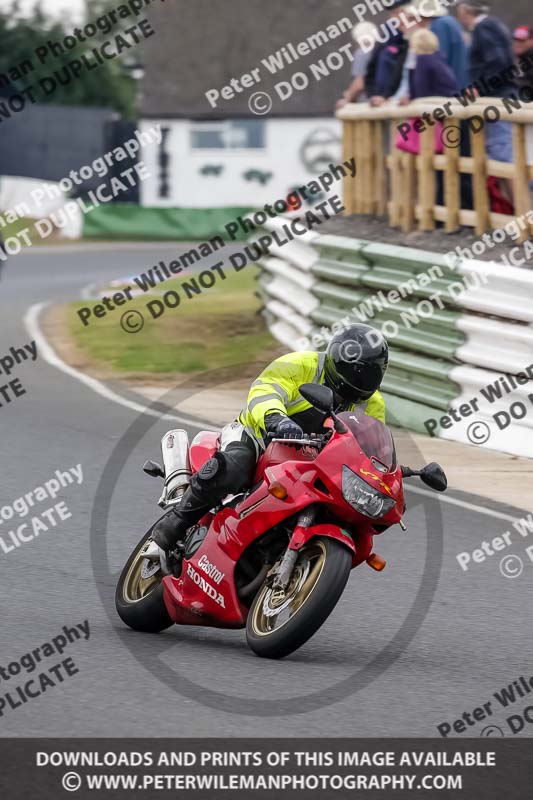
(408, 25)
(431, 77)
(491, 51)
(491, 55)
(452, 44)
(523, 50)
(384, 73)
(362, 33)
(432, 15)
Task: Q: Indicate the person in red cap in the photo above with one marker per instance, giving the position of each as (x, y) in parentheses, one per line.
(523, 50)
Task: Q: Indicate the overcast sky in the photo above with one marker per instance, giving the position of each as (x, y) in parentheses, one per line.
(60, 8)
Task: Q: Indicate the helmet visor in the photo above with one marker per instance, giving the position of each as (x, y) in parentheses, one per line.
(362, 386)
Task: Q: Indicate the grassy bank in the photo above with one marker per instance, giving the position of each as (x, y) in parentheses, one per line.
(218, 328)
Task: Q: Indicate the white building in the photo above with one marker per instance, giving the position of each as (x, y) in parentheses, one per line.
(228, 156)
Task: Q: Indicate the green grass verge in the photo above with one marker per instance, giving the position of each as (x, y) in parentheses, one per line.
(18, 225)
(221, 327)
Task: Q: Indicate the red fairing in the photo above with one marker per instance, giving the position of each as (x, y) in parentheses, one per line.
(203, 447)
(278, 453)
(206, 594)
(360, 549)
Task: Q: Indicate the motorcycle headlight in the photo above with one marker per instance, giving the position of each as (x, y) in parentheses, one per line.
(363, 497)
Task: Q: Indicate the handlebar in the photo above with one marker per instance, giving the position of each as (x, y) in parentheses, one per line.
(307, 440)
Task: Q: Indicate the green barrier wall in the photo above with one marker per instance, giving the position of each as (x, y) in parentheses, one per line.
(348, 274)
(129, 221)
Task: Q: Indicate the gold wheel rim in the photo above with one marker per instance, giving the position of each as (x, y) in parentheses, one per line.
(135, 587)
(274, 609)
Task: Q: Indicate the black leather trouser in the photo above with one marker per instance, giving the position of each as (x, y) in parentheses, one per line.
(230, 471)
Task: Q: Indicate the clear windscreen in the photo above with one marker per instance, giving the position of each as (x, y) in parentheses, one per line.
(374, 438)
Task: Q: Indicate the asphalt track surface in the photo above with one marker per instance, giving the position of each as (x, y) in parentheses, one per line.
(403, 652)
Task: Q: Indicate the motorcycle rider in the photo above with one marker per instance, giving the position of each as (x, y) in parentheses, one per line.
(353, 367)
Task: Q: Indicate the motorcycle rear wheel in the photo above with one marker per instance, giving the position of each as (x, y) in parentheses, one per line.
(281, 622)
(139, 601)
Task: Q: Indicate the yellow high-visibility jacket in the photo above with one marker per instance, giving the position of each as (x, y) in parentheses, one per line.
(276, 391)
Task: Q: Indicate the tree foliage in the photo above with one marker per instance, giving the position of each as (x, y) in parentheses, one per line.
(109, 86)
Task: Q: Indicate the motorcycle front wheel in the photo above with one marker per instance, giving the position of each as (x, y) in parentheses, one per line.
(279, 622)
(139, 594)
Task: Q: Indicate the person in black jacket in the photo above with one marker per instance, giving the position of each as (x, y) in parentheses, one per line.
(384, 71)
(491, 56)
(491, 52)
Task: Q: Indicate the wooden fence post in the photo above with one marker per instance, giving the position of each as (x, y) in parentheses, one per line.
(395, 186)
(479, 181)
(380, 172)
(426, 180)
(408, 192)
(522, 200)
(347, 154)
(452, 175)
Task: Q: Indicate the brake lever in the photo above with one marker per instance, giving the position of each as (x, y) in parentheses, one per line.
(307, 442)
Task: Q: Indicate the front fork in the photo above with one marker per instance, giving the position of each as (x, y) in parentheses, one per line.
(305, 519)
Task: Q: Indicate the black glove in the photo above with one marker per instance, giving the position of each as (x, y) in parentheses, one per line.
(287, 429)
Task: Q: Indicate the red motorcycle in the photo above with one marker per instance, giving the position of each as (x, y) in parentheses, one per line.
(276, 558)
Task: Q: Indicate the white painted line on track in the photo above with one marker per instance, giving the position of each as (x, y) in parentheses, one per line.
(31, 322)
(462, 503)
(88, 292)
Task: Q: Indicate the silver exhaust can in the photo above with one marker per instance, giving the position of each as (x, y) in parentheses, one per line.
(175, 451)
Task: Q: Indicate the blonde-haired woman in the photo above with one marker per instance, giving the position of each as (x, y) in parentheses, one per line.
(431, 76)
(364, 36)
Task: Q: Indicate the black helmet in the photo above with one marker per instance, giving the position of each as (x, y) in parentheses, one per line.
(356, 362)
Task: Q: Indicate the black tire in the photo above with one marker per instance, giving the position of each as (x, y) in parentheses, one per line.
(147, 614)
(315, 609)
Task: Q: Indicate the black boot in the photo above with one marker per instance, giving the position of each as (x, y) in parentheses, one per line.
(175, 524)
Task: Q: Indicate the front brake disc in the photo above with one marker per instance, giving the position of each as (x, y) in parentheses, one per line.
(149, 568)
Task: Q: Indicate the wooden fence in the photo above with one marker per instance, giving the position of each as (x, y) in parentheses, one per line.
(404, 185)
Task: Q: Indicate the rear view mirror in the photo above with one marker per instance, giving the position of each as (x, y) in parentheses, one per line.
(153, 469)
(320, 397)
(434, 476)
